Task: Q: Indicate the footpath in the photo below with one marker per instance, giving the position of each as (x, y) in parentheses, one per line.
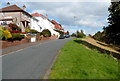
(22, 46)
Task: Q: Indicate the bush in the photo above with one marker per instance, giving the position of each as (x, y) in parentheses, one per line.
(33, 31)
(80, 34)
(1, 33)
(15, 31)
(17, 36)
(60, 32)
(46, 33)
(73, 35)
(14, 27)
(7, 34)
(27, 30)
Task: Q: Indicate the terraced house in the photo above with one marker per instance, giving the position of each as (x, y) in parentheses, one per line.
(16, 15)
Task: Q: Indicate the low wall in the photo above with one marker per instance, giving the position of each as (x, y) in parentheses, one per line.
(5, 44)
(116, 55)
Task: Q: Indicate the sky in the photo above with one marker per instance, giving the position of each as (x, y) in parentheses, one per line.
(73, 16)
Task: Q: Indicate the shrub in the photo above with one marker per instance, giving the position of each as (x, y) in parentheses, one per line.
(73, 35)
(15, 31)
(60, 32)
(97, 36)
(1, 33)
(41, 33)
(14, 27)
(46, 33)
(80, 34)
(33, 31)
(27, 30)
(17, 36)
(7, 34)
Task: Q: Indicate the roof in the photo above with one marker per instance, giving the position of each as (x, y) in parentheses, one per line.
(57, 26)
(54, 22)
(13, 8)
(38, 15)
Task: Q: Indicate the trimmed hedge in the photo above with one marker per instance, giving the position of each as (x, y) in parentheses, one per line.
(46, 33)
(33, 31)
(17, 36)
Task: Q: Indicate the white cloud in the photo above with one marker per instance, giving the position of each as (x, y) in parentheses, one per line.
(90, 16)
(40, 11)
(90, 23)
(58, 0)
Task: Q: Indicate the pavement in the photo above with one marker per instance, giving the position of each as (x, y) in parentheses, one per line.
(21, 46)
(31, 62)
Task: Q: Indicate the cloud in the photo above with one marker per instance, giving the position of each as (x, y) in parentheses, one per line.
(86, 15)
(39, 11)
(90, 16)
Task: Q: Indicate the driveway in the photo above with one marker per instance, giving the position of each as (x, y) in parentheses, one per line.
(32, 62)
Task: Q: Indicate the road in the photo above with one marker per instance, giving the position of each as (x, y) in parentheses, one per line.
(31, 63)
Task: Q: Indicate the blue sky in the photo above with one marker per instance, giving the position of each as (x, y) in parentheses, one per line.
(88, 16)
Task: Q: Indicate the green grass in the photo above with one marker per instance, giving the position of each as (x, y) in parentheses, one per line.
(75, 61)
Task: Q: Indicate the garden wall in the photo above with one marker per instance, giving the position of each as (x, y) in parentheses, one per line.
(5, 44)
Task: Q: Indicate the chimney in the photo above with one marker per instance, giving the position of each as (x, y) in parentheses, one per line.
(8, 4)
(46, 16)
(24, 7)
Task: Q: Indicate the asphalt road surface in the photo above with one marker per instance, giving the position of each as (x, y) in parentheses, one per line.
(31, 63)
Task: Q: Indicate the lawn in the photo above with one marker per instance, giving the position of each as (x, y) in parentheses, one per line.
(75, 61)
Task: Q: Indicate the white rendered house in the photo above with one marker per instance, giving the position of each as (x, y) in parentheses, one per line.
(34, 24)
(45, 23)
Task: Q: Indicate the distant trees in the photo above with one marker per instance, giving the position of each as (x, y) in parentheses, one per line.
(80, 34)
(73, 35)
(111, 33)
(67, 32)
(97, 36)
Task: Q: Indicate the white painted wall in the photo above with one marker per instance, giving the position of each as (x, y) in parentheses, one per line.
(46, 24)
(34, 25)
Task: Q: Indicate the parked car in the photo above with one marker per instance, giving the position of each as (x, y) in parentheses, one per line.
(67, 35)
(61, 37)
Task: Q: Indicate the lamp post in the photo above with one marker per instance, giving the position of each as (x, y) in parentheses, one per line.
(75, 24)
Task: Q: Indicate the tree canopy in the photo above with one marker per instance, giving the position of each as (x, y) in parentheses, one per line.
(112, 31)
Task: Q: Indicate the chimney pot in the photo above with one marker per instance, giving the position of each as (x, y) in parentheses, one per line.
(24, 7)
(8, 4)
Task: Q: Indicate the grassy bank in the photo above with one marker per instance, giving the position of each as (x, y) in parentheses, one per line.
(76, 61)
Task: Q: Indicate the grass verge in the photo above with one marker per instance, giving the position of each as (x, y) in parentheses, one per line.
(75, 61)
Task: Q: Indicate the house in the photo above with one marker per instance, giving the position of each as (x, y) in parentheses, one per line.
(16, 15)
(34, 24)
(57, 26)
(45, 23)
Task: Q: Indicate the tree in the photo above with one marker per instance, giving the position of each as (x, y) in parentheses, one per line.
(73, 35)
(112, 31)
(80, 34)
(67, 32)
(97, 36)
